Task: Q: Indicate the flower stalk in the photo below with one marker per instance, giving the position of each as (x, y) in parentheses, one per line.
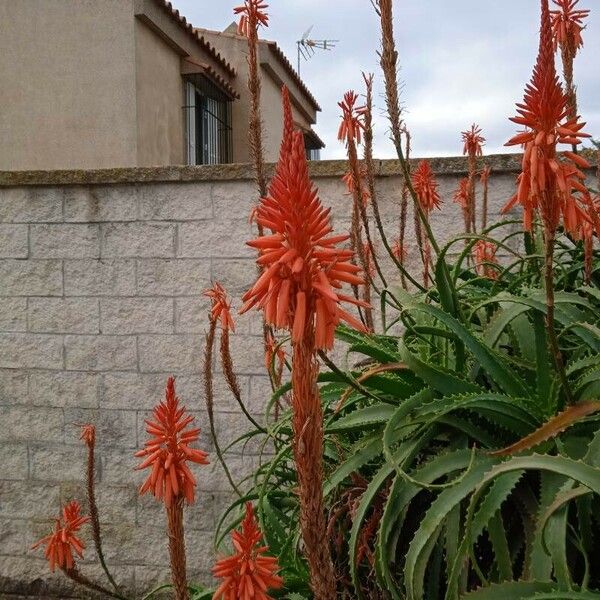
(166, 453)
(88, 435)
(299, 291)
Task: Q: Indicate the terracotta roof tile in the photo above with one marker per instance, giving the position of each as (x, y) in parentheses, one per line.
(287, 65)
(184, 24)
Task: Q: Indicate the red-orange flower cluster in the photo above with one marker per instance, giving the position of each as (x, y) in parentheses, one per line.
(426, 187)
(369, 261)
(88, 435)
(61, 543)
(302, 268)
(567, 24)
(398, 250)
(168, 451)
(473, 141)
(352, 124)
(221, 308)
(485, 175)
(348, 179)
(485, 256)
(546, 182)
(251, 12)
(248, 574)
(462, 194)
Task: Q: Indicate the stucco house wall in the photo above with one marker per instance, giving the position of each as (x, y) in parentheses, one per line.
(67, 84)
(159, 100)
(101, 280)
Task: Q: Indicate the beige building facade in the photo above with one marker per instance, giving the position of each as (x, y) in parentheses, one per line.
(88, 84)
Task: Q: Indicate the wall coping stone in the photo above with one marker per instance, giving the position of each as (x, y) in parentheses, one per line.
(452, 165)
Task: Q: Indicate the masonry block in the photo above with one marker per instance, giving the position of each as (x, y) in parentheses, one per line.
(64, 315)
(64, 463)
(234, 197)
(137, 315)
(100, 353)
(191, 314)
(13, 386)
(64, 389)
(14, 464)
(184, 202)
(216, 238)
(31, 278)
(14, 241)
(64, 241)
(98, 203)
(29, 350)
(170, 353)
(124, 240)
(180, 277)
(31, 205)
(99, 277)
(26, 424)
(13, 314)
(143, 391)
(29, 499)
(114, 428)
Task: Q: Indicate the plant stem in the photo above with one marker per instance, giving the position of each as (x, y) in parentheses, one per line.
(549, 237)
(209, 398)
(177, 548)
(94, 514)
(75, 575)
(307, 424)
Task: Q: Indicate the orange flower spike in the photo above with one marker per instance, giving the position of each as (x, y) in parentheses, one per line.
(486, 172)
(473, 141)
(546, 182)
(369, 259)
(398, 250)
(252, 11)
(301, 265)
(168, 451)
(352, 124)
(567, 25)
(461, 195)
(426, 187)
(485, 255)
(61, 543)
(221, 308)
(88, 435)
(348, 179)
(248, 573)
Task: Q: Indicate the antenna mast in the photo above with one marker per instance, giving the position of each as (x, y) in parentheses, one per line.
(307, 47)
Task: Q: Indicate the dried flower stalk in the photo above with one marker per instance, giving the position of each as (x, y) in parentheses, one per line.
(88, 435)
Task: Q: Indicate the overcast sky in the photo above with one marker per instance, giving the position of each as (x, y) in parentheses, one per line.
(462, 61)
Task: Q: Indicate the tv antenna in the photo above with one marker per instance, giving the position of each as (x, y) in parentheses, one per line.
(307, 46)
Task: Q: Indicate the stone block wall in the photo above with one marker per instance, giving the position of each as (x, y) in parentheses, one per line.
(101, 280)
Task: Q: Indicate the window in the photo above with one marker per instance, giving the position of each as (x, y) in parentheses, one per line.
(313, 153)
(208, 123)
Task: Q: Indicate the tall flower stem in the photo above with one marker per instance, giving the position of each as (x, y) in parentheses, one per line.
(74, 574)
(370, 167)
(549, 238)
(389, 65)
(308, 454)
(231, 378)
(209, 399)
(94, 514)
(177, 549)
(255, 122)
